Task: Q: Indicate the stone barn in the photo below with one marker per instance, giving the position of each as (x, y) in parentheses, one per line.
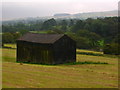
(46, 48)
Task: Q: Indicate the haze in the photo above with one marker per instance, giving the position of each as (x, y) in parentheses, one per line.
(14, 9)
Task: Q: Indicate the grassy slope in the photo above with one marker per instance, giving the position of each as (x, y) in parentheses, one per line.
(59, 76)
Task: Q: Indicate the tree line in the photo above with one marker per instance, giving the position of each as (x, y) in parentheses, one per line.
(89, 33)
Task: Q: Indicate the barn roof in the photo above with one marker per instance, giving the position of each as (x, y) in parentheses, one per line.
(40, 38)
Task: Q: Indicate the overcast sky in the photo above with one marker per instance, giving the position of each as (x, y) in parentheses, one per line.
(12, 9)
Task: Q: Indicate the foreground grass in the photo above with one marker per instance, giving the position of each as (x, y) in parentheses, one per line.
(42, 76)
(60, 76)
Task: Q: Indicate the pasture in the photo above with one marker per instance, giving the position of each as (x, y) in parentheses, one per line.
(92, 72)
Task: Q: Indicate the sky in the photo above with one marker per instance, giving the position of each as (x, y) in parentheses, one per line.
(14, 9)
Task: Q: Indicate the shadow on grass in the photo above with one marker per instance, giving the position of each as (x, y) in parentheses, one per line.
(85, 62)
(97, 54)
(8, 47)
(89, 53)
(74, 63)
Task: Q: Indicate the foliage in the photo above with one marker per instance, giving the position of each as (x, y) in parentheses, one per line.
(82, 42)
(88, 34)
(7, 38)
(112, 48)
(79, 25)
(91, 37)
(49, 24)
(63, 25)
(23, 32)
(10, 37)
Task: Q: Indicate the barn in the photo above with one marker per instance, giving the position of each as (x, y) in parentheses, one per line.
(46, 48)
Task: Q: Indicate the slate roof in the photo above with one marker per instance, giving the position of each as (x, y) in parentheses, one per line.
(40, 38)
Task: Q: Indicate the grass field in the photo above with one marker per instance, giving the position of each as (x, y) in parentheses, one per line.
(85, 75)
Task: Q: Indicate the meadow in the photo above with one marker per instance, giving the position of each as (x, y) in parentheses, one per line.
(88, 72)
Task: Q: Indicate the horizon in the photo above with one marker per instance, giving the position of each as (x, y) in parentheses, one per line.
(49, 16)
(13, 9)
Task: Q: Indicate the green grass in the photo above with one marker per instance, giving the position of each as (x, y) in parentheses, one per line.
(10, 45)
(8, 55)
(42, 32)
(88, 72)
(88, 51)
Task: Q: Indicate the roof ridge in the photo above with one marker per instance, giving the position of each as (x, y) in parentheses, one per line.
(40, 38)
(46, 33)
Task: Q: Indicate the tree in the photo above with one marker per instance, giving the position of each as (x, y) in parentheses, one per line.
(100, 44)
(64, 25)
(7, 38)
(117, 39)
(10, 37)
(16, 36)
(87, 27)
(22, 32)
(71, 23)
(82, 42)
(79, 25)
(112, 48)
(49, 24)
(91, 36)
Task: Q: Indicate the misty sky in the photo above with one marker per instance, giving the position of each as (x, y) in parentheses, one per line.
(12, 9)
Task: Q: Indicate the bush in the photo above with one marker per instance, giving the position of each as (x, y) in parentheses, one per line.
(112, 49)
(89, 53)
(10, 37)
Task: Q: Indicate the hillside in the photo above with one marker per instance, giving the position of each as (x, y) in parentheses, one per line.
(87, 15)
(61, 14)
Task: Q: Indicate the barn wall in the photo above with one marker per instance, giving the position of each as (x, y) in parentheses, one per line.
(34, 53)
(65, 50)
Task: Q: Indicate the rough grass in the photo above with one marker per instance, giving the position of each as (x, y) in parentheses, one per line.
(90, 75)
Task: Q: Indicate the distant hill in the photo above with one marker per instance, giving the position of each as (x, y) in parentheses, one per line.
(88, 15)
(61, 14)
(96, 14)
(69, 16)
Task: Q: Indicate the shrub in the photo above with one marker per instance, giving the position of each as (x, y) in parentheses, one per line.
(112, 49)
(89, 53)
